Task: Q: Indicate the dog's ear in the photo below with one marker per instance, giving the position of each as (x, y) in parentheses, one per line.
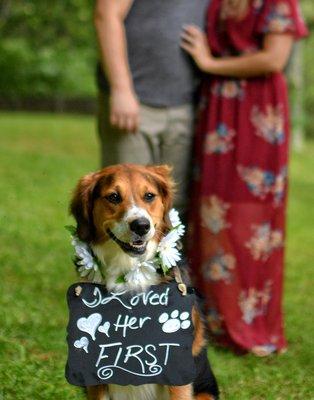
(163, 177)
(81, 206)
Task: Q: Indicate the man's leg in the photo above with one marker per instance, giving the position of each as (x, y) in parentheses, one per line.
(177, 147)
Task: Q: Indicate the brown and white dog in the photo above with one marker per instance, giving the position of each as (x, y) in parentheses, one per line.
(122, 213)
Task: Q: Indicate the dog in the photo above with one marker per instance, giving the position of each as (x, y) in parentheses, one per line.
(121, 212)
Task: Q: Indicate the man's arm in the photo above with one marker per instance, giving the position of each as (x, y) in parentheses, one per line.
(109, 22)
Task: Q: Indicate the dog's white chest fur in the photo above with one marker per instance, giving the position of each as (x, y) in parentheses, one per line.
(116, 262)
(142, 392)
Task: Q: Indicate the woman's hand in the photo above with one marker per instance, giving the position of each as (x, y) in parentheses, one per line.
(194, 42)
(124, 110)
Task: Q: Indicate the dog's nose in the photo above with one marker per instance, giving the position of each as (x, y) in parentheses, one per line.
(140, 226)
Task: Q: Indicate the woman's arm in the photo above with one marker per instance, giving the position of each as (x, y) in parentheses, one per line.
(272, 58)
(109, 19)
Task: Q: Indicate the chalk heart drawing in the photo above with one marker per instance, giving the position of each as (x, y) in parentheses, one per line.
(175, 321)
(90, 324)
(82, 343)
(104, 328)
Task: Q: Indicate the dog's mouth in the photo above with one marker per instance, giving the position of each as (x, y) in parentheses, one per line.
(135, 248)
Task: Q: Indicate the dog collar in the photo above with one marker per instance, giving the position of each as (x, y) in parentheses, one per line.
(167, 256)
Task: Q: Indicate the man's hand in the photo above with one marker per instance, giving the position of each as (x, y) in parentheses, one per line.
(124, 110)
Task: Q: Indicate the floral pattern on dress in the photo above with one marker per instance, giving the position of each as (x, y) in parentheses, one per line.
(219, 267)
(253, 302)
(215, 320)
(279, 19)
(229, 89)
(264, 349)
(279, 186)
(220, 140)
(213, 214)
(258, 181)
(269, 125)
(263, 182)
(264, 241)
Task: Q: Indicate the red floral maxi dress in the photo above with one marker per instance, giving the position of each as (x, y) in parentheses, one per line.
(237, 225)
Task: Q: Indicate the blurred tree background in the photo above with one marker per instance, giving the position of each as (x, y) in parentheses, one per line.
(48, 51)
(47, 48)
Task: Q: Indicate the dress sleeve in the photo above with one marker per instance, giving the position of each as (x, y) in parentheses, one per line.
(281, 16)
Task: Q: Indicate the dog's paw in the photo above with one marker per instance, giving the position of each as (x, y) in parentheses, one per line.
(175, 322)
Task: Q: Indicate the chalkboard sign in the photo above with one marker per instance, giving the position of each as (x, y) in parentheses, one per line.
(130, 338)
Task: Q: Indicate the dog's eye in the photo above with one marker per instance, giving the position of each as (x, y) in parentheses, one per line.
(149, 197)
(114, 198)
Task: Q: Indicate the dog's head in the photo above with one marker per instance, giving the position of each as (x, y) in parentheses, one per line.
(124, 203)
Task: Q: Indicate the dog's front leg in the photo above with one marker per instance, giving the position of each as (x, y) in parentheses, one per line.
(199, 332)
(99, 392)
(181, 392)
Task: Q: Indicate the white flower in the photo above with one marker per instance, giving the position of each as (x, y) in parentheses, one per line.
(141, 273)
(176, 222)
(168, 252)
(174, 218)
(83, 253)
(180, 230)
(169, 256)
(93, 275)
(172, 237)
(97, 277)
(87, 266)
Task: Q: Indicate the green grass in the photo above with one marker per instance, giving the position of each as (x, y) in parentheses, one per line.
(41, 157)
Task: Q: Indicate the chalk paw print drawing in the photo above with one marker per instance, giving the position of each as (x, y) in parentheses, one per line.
(175, 321)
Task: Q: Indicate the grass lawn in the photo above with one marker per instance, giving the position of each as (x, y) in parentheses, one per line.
(41, 157)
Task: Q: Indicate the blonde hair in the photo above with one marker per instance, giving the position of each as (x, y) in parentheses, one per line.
(234, 9)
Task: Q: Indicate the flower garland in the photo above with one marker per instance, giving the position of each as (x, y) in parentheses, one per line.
(167, 256)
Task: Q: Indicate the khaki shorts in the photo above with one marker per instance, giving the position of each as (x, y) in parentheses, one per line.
(164, 137)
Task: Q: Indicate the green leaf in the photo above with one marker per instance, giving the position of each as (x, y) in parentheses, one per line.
(165, 269)
(120, 279)
(71, 229)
